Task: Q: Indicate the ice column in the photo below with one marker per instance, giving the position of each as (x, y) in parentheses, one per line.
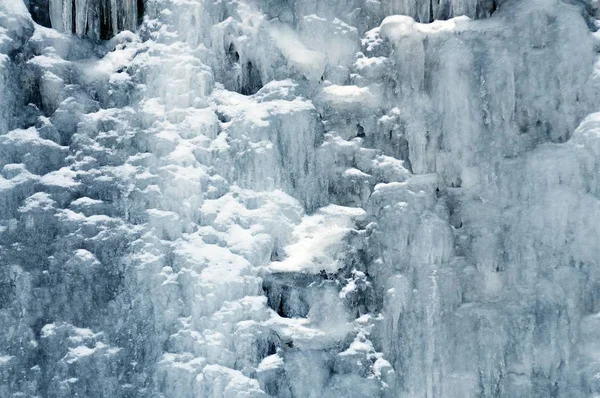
(61, 15)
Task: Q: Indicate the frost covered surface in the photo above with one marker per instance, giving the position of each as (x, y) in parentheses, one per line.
(253, 198)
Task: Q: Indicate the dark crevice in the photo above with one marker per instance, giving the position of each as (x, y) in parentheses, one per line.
(105, 27)
(430, 10)
(40, 12)
(360, 130)
(140, 11)
(251, 80)
(281, 309)
(232, 54)
(444, 11)
(287, 300)
(272, 349)
(276, 255)
(223, 118)
(73, 17)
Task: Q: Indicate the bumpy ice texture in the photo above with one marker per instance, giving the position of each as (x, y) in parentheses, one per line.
(341, 198)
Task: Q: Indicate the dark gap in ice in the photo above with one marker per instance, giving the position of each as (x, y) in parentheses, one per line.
(73, 18)
(223, 118)
(272, 348)
(251, 80)
(280, 309)
(40, 12)
(7, 289)
(276, 255)
(361, 130)
(106, 30)
(232, 55)
(332, 190)
(327, 276)
(140, 11)
(523, 129)
(454, 211)
(38, 324)
(444, 10)
(431, 11)
(29, 118)
(404, 152)
(287, 300)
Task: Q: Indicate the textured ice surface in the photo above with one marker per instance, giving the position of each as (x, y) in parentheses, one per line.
(341, 198)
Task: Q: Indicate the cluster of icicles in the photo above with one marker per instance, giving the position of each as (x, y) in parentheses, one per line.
(98, 19)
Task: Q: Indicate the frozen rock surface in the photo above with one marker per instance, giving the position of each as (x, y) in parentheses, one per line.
(341, 198)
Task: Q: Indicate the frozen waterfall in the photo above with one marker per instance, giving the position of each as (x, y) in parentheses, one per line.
(299, 199)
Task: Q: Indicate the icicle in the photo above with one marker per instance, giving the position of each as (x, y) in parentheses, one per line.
(56, 14)
(61, 15)
(113, 15)
(98, 19)
(81, 9)
(130, 14)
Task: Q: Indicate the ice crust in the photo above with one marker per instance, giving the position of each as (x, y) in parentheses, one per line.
(342, 198)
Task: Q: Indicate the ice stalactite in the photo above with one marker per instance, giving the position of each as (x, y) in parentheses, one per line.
(97, 19)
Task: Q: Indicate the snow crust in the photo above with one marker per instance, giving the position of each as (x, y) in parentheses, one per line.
(253, 198)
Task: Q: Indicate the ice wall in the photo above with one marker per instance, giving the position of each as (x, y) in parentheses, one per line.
(299, 199)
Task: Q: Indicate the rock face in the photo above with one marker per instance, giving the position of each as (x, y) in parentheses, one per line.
(342, 198)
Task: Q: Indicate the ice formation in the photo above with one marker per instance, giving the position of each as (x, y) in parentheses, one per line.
(340, 198)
